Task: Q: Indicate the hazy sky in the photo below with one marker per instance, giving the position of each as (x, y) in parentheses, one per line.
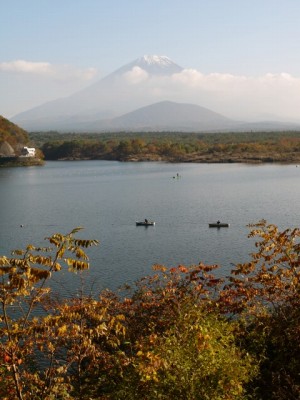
(229, 48)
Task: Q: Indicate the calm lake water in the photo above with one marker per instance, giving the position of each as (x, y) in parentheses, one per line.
(106, 198)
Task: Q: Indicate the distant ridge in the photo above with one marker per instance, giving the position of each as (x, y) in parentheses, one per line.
(165, 116)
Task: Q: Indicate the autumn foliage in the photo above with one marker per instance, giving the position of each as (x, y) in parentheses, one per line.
(180, 333)
(172, 146)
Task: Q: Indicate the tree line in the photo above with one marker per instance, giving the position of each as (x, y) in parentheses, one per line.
(167, 145)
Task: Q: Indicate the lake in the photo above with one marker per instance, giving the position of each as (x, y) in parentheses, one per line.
(107, 197)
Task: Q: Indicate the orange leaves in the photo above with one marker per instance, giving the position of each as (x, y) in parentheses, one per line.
(271, 278)
(158, 267)
(75, 230)
(149, 365)
(172, 337)
(41, 260)
(7, 270)
(6, 358)
(57, 266)
(4, 261)
(76, 265)
(23, 284)
(80, 253)
(202, 341)
(85, 243)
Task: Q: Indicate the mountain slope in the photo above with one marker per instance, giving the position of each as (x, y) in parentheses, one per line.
(112, 96)
(166, 115)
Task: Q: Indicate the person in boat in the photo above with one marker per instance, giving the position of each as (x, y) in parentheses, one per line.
(218, 222)
(146, 221)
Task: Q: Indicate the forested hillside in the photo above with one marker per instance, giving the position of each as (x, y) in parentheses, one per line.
(11, 133)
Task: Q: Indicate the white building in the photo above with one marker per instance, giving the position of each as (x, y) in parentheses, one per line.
(28, 152)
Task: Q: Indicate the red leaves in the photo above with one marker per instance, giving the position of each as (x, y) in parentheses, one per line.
(272, 277)
(170, 310)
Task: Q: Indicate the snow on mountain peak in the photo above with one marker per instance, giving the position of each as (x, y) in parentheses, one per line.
(153, 65)
(157, 65)
(163, 61)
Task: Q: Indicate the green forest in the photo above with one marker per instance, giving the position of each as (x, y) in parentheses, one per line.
(171, 146)
(179, 333)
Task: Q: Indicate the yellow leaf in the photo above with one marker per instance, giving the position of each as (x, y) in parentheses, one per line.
(62, 329)
(56, 267)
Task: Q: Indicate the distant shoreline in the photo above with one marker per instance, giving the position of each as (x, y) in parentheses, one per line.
(201, 158)
(20, 162)
(242, 147)
(228, 159)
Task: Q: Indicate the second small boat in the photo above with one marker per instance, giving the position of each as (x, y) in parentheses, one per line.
(218, 224)
(145, 223)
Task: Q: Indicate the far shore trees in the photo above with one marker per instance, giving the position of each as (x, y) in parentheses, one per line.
(171, 146)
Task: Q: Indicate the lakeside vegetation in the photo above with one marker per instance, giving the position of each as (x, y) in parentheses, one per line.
(180, 333)
(21, 161)
(12, 140)
(251, 147)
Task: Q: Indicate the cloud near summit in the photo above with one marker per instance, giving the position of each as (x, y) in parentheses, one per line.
(136, 75)
(236, 96)
(192, 78)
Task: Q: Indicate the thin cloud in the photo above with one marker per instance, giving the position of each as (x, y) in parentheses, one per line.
(136, 75)
(237, 96)
(193, 79)
(23, 66)
(47, 70)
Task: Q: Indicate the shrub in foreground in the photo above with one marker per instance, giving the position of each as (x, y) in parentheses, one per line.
(179, 333)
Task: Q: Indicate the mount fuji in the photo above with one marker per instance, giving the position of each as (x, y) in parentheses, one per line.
(153, 65)
(127, 99)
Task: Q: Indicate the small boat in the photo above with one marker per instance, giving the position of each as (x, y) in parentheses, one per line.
(218, 225)
(145, 223)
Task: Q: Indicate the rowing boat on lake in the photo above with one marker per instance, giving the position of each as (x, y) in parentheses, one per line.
(144, 223)
(218, 225)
